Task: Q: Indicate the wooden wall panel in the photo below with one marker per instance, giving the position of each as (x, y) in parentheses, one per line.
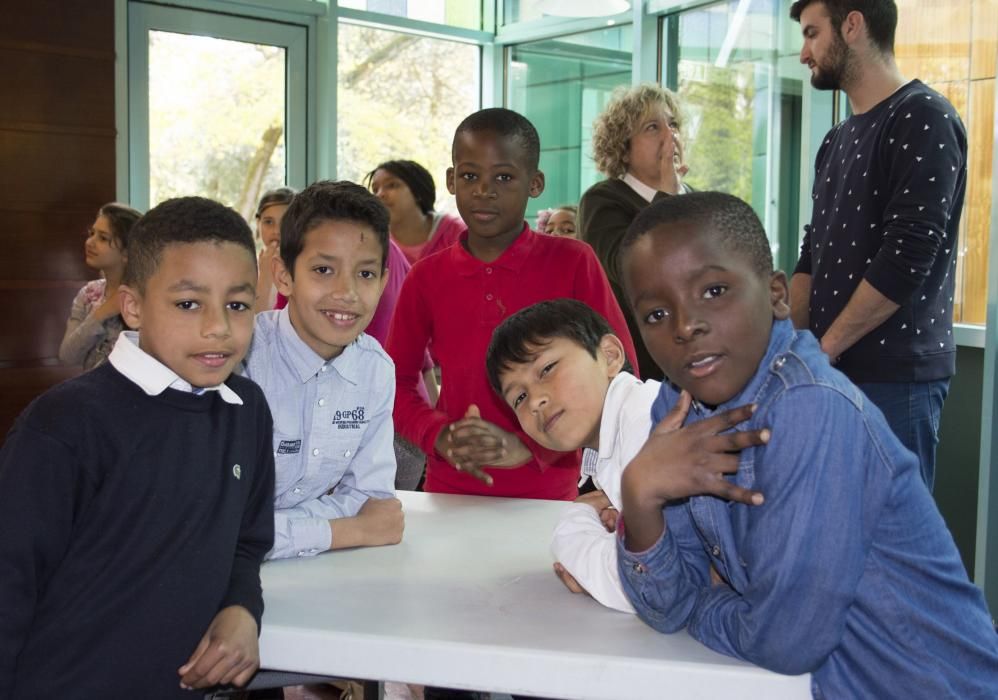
(952, 45)
(57, 166)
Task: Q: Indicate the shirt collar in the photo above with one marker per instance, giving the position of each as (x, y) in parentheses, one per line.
(305, 361)
(644, 191)
(151, 375)
(616, 394)
(780, 339)
(647, 193)
(511, 259)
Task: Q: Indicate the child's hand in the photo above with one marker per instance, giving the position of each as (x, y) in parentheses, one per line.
(570, 583)
(601, 504)
(381, 521)
(678, 462)
(109, 309)
(472, 443)
(227, 654)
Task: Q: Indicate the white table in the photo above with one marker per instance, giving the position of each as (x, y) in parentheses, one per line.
(469, 600)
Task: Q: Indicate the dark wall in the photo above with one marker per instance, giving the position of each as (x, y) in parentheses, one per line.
(57, 166)
(958, 457)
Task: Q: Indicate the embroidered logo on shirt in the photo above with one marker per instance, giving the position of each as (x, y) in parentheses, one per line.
(237, 471)
(289, 447)
(349, 418)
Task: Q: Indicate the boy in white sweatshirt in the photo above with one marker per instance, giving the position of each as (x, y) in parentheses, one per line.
(562, 370)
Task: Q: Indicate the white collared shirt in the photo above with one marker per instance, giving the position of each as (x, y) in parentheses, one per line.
(647, 193)
(151, 375)
(580, 542)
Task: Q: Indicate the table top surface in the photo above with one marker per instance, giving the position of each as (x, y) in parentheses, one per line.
(469, 600)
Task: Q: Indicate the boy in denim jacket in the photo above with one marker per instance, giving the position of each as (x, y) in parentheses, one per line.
(805, 541)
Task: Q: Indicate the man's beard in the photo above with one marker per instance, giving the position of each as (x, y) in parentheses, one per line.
(835, 71)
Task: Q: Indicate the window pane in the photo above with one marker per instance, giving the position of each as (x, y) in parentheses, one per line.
(561, 85)
(216, 119)
(453, 13)
(526, 10)
(401, 96)
(950, 45)
(741, 83)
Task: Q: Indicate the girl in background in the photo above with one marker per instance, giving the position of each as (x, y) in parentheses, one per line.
(559, 221)
(95, 317)
(408, 190)
(269, 213)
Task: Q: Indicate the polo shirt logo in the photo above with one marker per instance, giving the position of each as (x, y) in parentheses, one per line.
(350, 418)
(237, 471)
(289, 447)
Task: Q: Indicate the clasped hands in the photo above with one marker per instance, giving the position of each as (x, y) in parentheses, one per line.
(473, 443)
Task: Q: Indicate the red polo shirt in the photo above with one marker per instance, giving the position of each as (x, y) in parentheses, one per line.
(454, 301)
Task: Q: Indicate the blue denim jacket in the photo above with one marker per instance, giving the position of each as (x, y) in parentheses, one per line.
(847, 571)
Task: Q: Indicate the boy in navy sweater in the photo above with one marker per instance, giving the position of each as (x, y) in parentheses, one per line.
(136, 501)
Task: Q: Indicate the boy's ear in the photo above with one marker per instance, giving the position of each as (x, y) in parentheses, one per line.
(131, 306)
(536, 184)
(779, 295)
(282, 277)
(450, 180)
(612, 350)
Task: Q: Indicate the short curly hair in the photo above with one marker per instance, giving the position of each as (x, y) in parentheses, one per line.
(613, 129)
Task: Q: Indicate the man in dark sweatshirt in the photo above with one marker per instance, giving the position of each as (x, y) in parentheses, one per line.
(875, 279)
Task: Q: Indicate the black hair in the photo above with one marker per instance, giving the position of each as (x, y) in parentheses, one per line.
(507, 124)
(881, 17)
(182, 220)
(721, 214)
(280, 195)
(329, 200)
(121, 218)
(515, 340)
(416, 178)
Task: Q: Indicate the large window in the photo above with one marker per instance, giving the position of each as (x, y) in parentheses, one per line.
(561, 85)
(401, 96)
(466, 14)
(231, 149)
(951, 46)
(217, 106)
(736, 69)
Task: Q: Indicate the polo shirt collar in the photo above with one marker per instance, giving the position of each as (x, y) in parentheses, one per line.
(511, 259)
(151, 375)
(306, 362)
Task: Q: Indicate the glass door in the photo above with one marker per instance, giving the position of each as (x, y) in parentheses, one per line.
(217, 106)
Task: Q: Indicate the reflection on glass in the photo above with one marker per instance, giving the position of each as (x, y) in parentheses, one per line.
(216, 119)
(561, 85)
(741, 83)
(453, 13)
(401, 96)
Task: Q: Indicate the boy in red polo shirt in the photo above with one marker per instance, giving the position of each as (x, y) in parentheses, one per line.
(456, 297)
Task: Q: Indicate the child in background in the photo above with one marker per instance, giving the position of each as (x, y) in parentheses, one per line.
(559, 221)
(269, 214)
(95, 318)
(562, 370)
(846, 569)
(457, 297)
(408, 190)
(136, 499)
(330, 386)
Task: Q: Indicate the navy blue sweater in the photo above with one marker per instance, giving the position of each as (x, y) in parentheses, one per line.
(127, 522)
(888, 193)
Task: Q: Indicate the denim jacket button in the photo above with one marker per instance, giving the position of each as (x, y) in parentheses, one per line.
(716, 551)
(638, 568)
(779, 362)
